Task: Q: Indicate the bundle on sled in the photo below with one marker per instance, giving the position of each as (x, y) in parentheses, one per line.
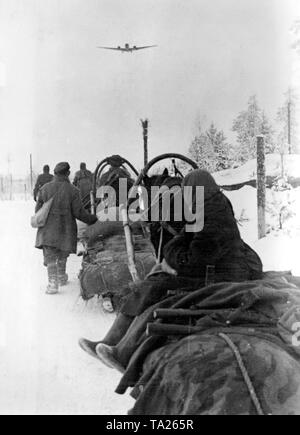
(105, 268)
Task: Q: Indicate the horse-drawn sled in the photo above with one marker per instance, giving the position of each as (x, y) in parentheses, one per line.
(226, 348)
(114, 255)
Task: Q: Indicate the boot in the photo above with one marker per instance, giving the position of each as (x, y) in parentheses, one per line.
(52, 288)
(113, 337)
(107, 356)
(118, 330)
(120, 355)
(89, 346)
(61, 271)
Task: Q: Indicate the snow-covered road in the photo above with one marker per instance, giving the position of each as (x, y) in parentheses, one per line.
(43, 371)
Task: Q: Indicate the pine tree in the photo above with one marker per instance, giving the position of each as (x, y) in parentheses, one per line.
(201, 151)
(210, 149)
(221, 149)
(248, 125)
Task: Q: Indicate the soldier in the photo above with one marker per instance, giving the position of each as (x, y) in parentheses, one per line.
(58, 238)
(83, 181)
(42, 179)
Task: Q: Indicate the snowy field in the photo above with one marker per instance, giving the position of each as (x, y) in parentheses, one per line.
(43, 370)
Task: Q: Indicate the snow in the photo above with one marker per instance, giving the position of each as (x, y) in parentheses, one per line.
(280, 249)
(43, 370)
(248, 172)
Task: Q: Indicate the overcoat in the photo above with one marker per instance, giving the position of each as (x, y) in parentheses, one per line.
(60, 231)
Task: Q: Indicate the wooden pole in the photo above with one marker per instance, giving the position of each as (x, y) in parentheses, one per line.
(261, 186)
(145, 125)
(129, 245)
(93, 204)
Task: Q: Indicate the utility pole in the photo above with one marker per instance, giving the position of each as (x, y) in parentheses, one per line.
(145, 125)
(261, 186)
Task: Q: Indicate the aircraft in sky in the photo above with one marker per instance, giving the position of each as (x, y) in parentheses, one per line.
(127, 48)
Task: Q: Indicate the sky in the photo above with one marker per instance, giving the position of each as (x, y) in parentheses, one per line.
(62, 99)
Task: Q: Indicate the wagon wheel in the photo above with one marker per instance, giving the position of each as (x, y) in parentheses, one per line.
(158, 159)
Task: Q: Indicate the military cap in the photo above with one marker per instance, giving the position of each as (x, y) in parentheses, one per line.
(62, 168)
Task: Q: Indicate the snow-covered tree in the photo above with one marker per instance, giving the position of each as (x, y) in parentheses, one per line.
(221, 148)
(211, 150)
(201, 150)
(248, 125)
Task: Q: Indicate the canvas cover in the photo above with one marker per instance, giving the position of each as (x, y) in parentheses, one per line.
(105, 264)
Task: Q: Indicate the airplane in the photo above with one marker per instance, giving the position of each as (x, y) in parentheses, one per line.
(127, 48)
